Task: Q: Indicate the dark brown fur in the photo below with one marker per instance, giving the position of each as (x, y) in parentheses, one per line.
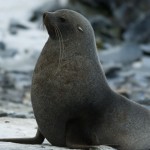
(72, 102)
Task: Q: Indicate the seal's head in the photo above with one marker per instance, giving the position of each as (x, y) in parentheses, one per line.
(69, 23)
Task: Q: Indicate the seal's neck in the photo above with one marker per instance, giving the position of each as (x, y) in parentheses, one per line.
(74, 45)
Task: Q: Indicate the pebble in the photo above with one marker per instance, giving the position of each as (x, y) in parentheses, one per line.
(146, 49)
(126, 14)
(111, 69)
(14, 26)
(2, 46)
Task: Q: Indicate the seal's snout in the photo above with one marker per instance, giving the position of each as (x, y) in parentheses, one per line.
(49, 21)
(47, 16)
(44, 15)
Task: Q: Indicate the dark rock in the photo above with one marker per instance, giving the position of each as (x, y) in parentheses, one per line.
(141, 5)
(111, 69)
(99, 22)
(104, 28)
(145, 102)
(6, 81)
(2, 45)
(3, 114)
(7, 121)
(146, 49)
(15, 25)
(22, 79)
(48, 6)
(104, 6)
(8, 53)
(126, 54)
(116, 82)
(127, 72)
(139, 31)
(126, 14)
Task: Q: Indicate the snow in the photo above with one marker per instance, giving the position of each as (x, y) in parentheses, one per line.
(27, 42)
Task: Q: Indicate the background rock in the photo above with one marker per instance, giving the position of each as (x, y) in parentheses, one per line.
(124, 54)
(139, 31)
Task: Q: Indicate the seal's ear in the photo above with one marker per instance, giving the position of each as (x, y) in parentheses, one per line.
(80, 29)
(62, 19)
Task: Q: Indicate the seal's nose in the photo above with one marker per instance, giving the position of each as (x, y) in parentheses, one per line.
(44, 15)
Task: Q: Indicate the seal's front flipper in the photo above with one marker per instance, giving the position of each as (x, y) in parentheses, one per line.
(38, 139)
(76, 135)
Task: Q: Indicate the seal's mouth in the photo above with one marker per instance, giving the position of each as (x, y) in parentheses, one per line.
(48, 20)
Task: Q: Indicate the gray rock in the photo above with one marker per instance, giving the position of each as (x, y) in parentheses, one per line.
(15, 110)
(3, 114)
(143, 71)
(126, 14)
(99, 22)
(146, 49)
(126, 54)
(111, 69)
(15, 25)
(145, 102)
(139, 31)
(102, 5)
(2, 45)
(141, 5)
(104, 28)
(47, 6)
(8, 53)
(6, 81)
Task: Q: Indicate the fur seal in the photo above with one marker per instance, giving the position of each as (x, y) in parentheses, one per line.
(73, 104)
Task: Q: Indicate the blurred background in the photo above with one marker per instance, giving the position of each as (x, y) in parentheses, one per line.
(122, 30)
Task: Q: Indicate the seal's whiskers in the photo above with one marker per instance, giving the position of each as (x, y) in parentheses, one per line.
(62, 42)
(60, 47)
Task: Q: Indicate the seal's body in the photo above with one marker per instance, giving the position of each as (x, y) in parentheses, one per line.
(72, 102)
(65, 78)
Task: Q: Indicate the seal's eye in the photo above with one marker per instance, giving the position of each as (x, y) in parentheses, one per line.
(62, 19)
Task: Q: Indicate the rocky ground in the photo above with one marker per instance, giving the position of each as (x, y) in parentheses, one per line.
(123, 41)
(27, 128)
